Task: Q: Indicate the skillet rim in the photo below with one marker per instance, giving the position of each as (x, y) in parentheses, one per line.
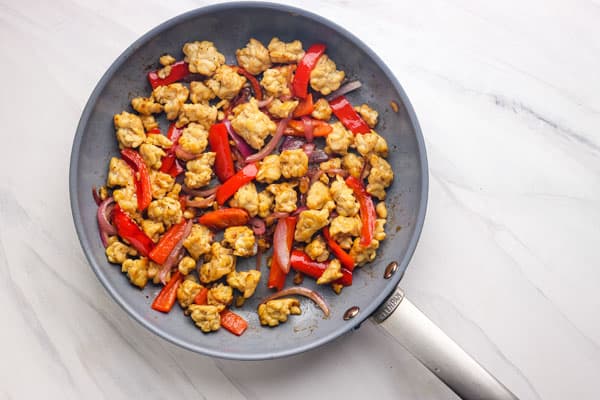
(344, 326)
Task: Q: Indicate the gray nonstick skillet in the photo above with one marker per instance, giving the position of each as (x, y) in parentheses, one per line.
(374, 292)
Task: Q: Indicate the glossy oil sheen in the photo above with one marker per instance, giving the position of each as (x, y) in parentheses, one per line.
(230, 26)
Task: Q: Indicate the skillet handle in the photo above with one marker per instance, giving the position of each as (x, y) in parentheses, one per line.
(436, 351)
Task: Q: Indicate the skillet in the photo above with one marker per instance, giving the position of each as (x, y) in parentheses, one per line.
(374, 290)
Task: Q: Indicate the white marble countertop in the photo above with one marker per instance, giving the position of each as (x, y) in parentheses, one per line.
(508, 96)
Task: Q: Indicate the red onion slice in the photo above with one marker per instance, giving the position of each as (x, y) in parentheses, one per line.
(308, 148)
(291, 143)
(242, 97)
(259, 252)
(200, 193)
(265, 102)
(192, 77)
(258, 226)
(308, 128)
(268, 149)
(314, 176)
(347, 88)
(299, 210)
(289, 79)
(275, 216)
(278, 214)
(243, 147)
(318, 156)
(104, 238)
(104, 226)
(365, 171)
(301, 291)
(302, 202)
(280, 248)
(173, 257)
(204, 203)
(184, 155)
(97, 198)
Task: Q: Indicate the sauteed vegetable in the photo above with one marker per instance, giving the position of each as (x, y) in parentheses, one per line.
(264, 159)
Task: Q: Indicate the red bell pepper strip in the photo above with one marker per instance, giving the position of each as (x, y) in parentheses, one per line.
(179, 70)
(176, 169)
(166, 298)
(301, 262)
(305, 107)
(345, 259)
(276, 276)
(183, 201)
(169, 163)
(233, 322)
(367, 210)
(305, 66)
(174, 133)
(129, 231)
(143, 185)
(253, 81)
(231, 185)
(167, 243)
(219, 143)
(343, 110)
(153, 131)
(201, 297)
(224, 217)
(320, 128)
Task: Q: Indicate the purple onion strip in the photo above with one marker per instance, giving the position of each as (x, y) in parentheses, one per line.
(269, 147)
(104, 226)
(347, 88)
(243, 147)
(301, 291)
(291, 143)
(258, 226)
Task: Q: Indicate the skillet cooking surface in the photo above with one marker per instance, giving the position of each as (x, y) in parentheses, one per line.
(230, 26)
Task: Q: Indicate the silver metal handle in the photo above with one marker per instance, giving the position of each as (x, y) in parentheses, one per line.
(435, 350)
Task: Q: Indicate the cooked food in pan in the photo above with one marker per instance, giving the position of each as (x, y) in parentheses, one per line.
(264, 159)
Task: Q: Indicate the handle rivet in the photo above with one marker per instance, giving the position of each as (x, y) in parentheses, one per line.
(351, 313)
(390, 270)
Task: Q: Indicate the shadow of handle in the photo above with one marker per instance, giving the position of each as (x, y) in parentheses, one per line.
(436, 351)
